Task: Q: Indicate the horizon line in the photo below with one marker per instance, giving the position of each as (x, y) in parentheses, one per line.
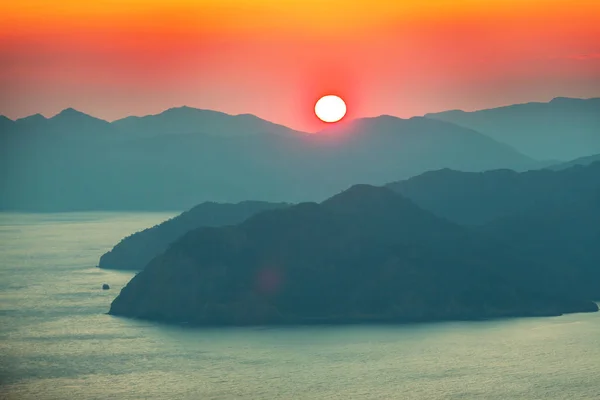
(277, 123)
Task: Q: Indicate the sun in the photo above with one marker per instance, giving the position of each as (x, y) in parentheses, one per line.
(330, 108)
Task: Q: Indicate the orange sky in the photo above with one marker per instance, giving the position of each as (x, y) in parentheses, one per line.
(273, 58)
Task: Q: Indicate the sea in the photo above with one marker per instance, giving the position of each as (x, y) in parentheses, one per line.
(57, 341)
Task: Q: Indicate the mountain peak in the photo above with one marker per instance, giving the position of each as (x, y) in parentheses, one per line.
(185, 110)
(70, 110)
(32, 118)
(71, 113)
(382, 117)
(186, 120)
(72, 116)
(363, 195)
(562, 99)
(361, 189)
(178, 109)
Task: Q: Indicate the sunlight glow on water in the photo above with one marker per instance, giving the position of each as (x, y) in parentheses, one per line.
(56, 342)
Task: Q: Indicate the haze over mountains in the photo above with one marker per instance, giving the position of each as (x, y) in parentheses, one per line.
(187, 120)
(550, 217)
(562, 129)
(578, 161)
(462, 232)
(371, 254)
(472, 198)
(184, 156)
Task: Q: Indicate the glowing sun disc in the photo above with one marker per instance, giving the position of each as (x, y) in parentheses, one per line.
(330, 108)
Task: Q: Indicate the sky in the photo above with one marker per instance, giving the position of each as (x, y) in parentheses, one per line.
(275, 58)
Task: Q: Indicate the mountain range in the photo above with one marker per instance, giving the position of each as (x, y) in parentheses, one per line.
(367, 254)
(185, 156)
(563, 129)
(396, 253)
(475, 198)
(466, 198)
(578, 161)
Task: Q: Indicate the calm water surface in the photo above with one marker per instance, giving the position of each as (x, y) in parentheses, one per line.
(57, 343)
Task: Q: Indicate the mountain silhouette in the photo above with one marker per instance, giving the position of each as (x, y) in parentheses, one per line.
(477, 198)
(578, 161)
(138, 249)
(31, 122)
(69, 118)
(185, 156)
(418, 143)
(563, 129)
(188, 120)
(364, 255)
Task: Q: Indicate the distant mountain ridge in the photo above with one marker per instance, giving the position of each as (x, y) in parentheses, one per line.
(551, 216)
(188, 120)
(562, 129)
(479, 199)
(578, 161)
(476, 198)
(184, 156)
